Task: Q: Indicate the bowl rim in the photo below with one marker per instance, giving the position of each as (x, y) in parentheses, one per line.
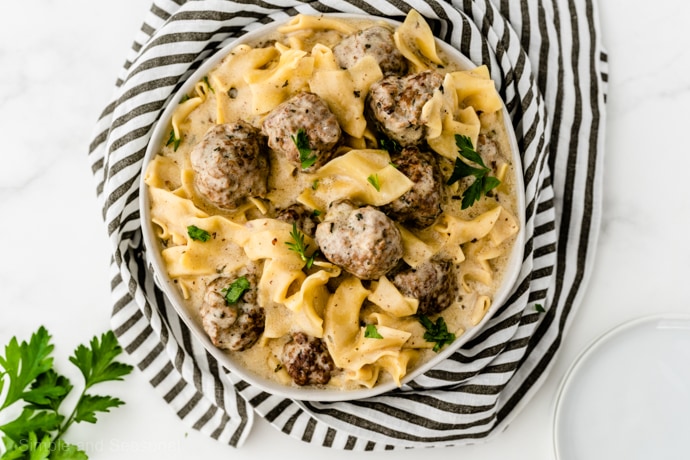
(156, 264)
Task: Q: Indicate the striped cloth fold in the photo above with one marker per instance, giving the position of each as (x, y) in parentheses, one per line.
(547, 60)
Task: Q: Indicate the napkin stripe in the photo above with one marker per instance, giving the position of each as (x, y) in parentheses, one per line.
(586, 224)
(478, 389)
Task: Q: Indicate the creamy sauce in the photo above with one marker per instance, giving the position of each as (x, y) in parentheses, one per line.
(285, 184)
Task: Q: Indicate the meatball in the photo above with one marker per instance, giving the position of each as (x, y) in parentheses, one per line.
(301, 216)
(306, 360)
(433, 283)
(421, 205)
(303, 121)
(376, 41)
(363, 241)
(230, 164)
(231, 327)
(394, 104)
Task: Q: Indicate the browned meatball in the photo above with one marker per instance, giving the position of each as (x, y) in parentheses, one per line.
(376, 41)
(363, 241)
(433, 283)
(395, 105)
(305, 116)
(306, 360)
(421, 205)
(231, 327)
(304, 218)
(230, 164)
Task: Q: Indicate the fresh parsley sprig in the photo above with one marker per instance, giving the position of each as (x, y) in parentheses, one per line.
(306, 157)
(300, 246)
(27, 370)
(436, 332)
(483, 183)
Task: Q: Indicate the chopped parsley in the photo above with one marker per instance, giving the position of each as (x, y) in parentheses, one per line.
(370, 332)
(539, 308)
(374, 181)
(233, 293)
(175, 141)
(482, 182)
(198, 234)
(389, 145)
(208, 84)
(436, 332)
(299, 246)
(306, 157)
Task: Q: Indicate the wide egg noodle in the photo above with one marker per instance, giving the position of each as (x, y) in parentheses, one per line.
(272, 86)
(481, 306)
(390, 299)
(476, 89)
(455, 231)
(296, 301)
(171, 213)
(416, 42)
(416, 250)
(303, 22)
(349, 177)
(163, 173)
(347, 343)
(477, 266)
(233, 94)
(220, 254)
(385, 352)
(506, 227)
(344, 90)
(410, 325)
(186, 107)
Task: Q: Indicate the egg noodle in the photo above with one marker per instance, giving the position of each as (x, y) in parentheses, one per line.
(305, 292)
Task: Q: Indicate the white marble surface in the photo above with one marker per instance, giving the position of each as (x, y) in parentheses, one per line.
(58, 62)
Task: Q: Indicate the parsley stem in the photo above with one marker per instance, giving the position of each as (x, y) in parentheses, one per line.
(70, 420)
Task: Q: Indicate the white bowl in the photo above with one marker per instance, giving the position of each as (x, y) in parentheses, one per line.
(157, 265)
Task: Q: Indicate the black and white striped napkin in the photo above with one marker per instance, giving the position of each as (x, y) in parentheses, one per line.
(548, 62)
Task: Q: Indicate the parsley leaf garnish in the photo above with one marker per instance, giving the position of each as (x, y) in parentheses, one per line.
(198, 234)
(208, 84)
(539, 308)
(233, 293)
(27, 368)
(306, 157)
(389, 145)
(370, 332)
(482, 182)
(299, 246)
(373, 179)
(175, 141)
(436, 332)
(23, 363)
